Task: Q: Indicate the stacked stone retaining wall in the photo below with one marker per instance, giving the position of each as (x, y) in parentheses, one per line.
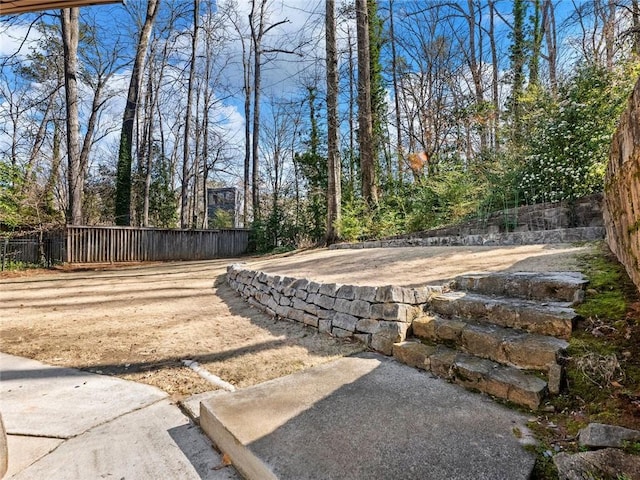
(376, 316)
(622, 190)
(565, 235)
(580, 213)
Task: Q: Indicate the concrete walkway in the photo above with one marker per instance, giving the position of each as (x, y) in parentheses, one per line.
(366, 417)
(72, 425)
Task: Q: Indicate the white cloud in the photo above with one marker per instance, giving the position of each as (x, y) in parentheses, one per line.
(17, 39)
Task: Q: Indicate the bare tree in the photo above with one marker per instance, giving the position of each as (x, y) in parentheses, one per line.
(186, 176)
(365, 115)
(123, 175)
(334, 194)
(69, 18)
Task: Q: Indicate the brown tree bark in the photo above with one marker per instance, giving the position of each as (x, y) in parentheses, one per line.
(334, 192)
(70, 34)
(186, 177)
(123, 177)
(365, 116)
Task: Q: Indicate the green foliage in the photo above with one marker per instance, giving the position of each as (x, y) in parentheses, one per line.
(440, 199)
(569, 138)
(163, 201)
(221, 219)
(279, 231)
(313, 166)
(444, 198)
(9, 201)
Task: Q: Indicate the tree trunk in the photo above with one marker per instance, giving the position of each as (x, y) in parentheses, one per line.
(256, 36)
(396, 96)
(70, 33)
(123, 176)
(365, 119)
(184, 194)
(635, 25)
(552, 44)
(494, 71)
(352, 123)
(246, 62)
(334, 192)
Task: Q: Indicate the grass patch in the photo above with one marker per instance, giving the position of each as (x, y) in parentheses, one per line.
(609, 286)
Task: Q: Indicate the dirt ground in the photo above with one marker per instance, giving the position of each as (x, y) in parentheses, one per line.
(416, 266)
(140, 322)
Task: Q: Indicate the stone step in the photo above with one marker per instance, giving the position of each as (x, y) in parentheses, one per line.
(507, 383)
(552, 318)
(507, 346)
(548, 286)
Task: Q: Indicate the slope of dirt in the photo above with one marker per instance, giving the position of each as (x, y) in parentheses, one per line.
(415, 266)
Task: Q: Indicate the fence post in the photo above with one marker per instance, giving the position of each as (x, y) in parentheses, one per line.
(4, 251)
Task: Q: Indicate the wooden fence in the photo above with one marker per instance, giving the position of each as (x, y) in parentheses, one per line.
(132, 244)
(120, 244)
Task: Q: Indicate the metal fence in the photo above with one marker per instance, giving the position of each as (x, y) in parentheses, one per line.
(83, 244)
(44, 249)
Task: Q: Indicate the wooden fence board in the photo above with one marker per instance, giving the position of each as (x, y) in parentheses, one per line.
(130, 244)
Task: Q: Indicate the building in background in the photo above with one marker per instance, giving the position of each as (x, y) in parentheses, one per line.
(223, 207)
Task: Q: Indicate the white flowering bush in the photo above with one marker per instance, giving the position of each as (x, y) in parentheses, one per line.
(567, 151)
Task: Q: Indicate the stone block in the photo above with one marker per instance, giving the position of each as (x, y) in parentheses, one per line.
(272, 304)
(282, 311)
(556, 380)
(300, 284)
(363, 338)
(424, 327)
(297, 315)
(397, 312)
(366, 294)
(480, 342)
(422, 295)
(340, 333)
(325, 302)
(387, 334)
(324, 325)
(450, 330)
(360, 308)
(599, 435)
(367, 325)
(442, 362)
(409, 296)
(382, 344)
(346, 292)
(301, 294)
(390, 293)
(328, 289)
(310, 320)
(533, 351)
(313, 287)
(285, 301)
(273, 280)
(345, 321)
(322, 313)
(606, 463)
(341, 305)
(414, 354)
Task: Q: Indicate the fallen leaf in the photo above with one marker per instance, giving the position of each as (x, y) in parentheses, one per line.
(226, 461)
